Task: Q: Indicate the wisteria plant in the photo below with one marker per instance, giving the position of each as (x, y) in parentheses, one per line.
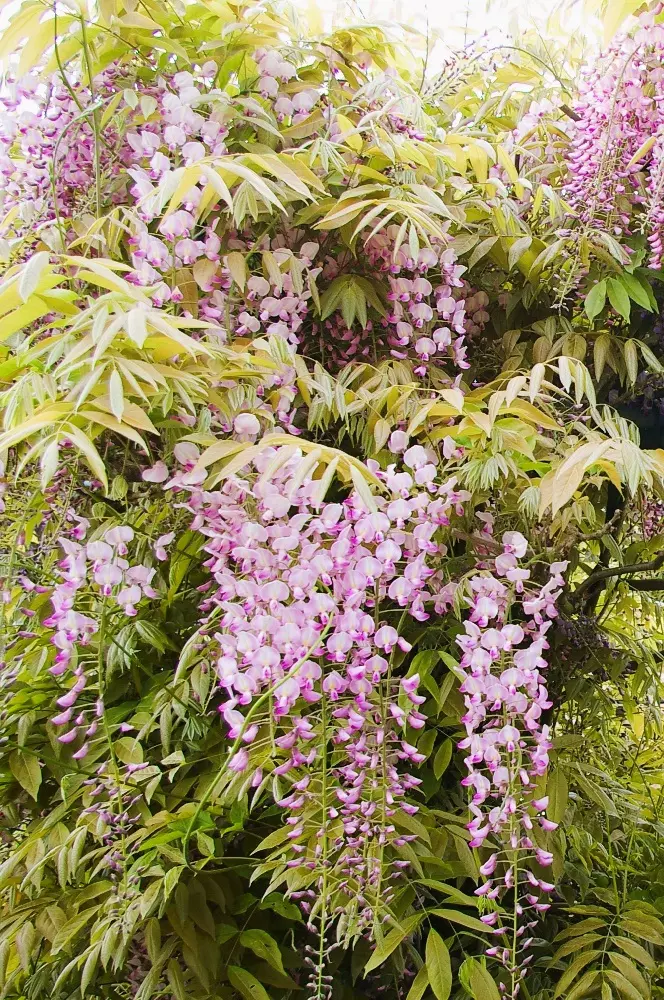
(331, 554)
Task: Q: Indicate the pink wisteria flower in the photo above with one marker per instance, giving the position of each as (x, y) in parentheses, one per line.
(505, 695)
(99, 568)
(306, 605)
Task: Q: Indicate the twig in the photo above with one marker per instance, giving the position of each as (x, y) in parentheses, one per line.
(604, 530)
(606, 574)
(574, 115)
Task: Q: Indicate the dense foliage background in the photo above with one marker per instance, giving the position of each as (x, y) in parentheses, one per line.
(331, 394)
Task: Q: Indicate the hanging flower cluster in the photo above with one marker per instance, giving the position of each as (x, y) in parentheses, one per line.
(651, 517)
(47, 145)
(112, 796)
(176, 134)
(507, 746)
(102, 567)
(305, 611)
(615, 160)
(427, 316)
(292, 102)
(190, 121)
(277, 306)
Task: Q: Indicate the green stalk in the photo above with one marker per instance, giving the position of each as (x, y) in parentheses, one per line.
(324, 887)
(96, 126)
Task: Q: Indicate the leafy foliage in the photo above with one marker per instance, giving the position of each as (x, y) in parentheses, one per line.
(273, 296)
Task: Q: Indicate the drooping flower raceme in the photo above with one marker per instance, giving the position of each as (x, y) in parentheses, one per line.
(506, 746)
(101, 568)
(305, 627)
(615, 161)
(50, 162)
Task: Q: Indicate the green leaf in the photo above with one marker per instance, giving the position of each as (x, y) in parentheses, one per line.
(439, 970)
(31, 273)
(583, 986)
(85, 445)
(90, 968)
(332, 296)
(481, 250)
(636, 291)
(264, 946)
(454, 894)
(25, 768)
(595, 300)
(371, 294)
(392, 941)
(650, 359)
(267, 974)
(153, 635)
(442, 759)
(246, 984)
(574, 945)
(619, 298)
(597, 795)
(482, 984)
(631, 360)
(116, 394)
(601, 353)
(237, 265)
(583, 927)
(517, 250)
(129, 750)
(586, 910)
(627, 969)
(176, 980)
(419, 985)
(72, 928)
(637, 952)
(558, 792)
(624, 985)
(572, 971)
(281, 906)
(457, 917)
(349, 304)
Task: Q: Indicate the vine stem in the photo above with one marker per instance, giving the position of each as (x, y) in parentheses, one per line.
(95, 116)
(515, 915)
(325, 847)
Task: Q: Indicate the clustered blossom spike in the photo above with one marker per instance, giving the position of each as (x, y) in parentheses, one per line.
(101, 566)
(292, 102)
(428, 319)
(304, 617)
(507, 746)
(620, 109)
(47, 145)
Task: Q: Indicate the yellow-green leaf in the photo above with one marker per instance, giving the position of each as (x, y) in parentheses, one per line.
(627, 968)
(573, 970)
(246, 984)
(636, 951)
(418, 985)
(25, 768)
(31, 274)
(482, 983)
(439, 970)
(392, 940)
